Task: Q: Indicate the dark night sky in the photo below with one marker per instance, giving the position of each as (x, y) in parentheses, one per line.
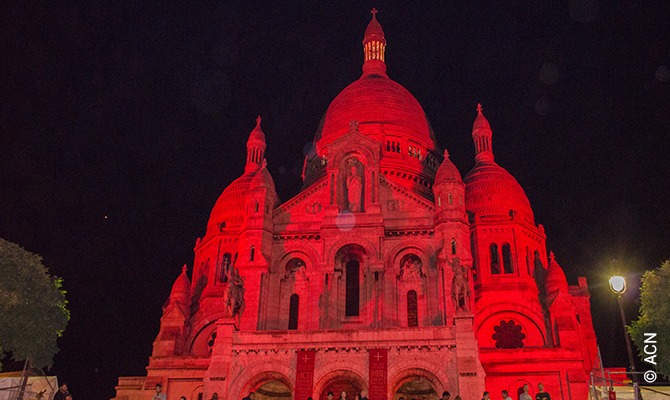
(121, 123)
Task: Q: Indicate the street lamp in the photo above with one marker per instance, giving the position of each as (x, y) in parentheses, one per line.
(618, 286)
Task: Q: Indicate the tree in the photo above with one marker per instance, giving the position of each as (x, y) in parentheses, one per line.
(33, 311)
(653, 319)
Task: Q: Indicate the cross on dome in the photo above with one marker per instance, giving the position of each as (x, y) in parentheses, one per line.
(258, 121)
(374, 12)
(479, 107)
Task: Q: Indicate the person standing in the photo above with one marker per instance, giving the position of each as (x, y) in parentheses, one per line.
(250, 396)
(525, 395)
(445, 395)
(541, 394)
(486, 396)
(62, 392)
(159, 393)
(505, 395)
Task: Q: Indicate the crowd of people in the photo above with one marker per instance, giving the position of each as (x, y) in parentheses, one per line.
(63, 394)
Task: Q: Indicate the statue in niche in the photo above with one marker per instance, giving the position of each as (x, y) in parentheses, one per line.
(235, 302)
(354, 188)
(295, 268)
(410, 267)
(460, 288)
(225, 268)
(351, 179)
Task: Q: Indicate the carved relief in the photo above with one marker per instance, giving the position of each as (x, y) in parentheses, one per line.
(395, 205)
(411, 267)
(313, 208)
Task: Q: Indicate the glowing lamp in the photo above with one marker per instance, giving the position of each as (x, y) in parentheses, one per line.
(618, 284)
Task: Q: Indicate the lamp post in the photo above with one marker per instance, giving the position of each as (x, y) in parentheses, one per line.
(618, 286)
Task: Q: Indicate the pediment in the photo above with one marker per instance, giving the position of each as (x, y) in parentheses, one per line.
(310, 202)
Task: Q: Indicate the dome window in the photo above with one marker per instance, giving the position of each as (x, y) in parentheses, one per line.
(495, 259)
(507, 259)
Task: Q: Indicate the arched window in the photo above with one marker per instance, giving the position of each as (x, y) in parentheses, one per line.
(256, 207)
(224, 270)
(530, 273)
(412, 309)
(439, 201)
(253, 252)
(293, 312)
(507, 259)
(352, 291)
(450, 201)
(453, 246)
(495, 259)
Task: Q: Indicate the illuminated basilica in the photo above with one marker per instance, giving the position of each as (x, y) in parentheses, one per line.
(389, 274)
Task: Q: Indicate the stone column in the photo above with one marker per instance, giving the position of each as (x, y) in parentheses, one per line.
(470, 371)
(216, 377)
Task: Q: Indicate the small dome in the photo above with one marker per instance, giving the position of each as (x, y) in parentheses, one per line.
(480, 122)
(374, 31)
(447, 171)
(181, 290)
(492, 191)
(555, 277)
(257, 134)
(263, 179)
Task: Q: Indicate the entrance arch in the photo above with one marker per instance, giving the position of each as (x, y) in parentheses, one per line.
(415, 383)
(337, 381)
(268, 385)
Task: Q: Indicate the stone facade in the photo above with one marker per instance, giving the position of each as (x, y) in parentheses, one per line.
(385, 247)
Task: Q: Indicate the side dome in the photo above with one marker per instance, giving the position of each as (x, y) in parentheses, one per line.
(230, 209)
(491, 191)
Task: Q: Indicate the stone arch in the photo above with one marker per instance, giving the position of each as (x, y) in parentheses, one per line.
(528, 319)
(197, 344)
(418, 369)
(427, 285)
(323, 378)
(369, 248)
(261, 372)
(311, 256)
(197, 390)
(425, 252)
(353, 150)
(201, 323)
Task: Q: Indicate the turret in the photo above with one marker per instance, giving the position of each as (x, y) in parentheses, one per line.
(482, 134)
(255, 148)
(170, 339)
(374, 46)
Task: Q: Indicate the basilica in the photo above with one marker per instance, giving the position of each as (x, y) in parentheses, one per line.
(389, 275)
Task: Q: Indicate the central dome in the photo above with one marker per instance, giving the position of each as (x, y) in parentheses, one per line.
(376, 100)
(381, 106)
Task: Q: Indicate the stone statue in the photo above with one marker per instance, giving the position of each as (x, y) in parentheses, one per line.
(460, 288)
(411, 268)
(235, 302)
(354, 186)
